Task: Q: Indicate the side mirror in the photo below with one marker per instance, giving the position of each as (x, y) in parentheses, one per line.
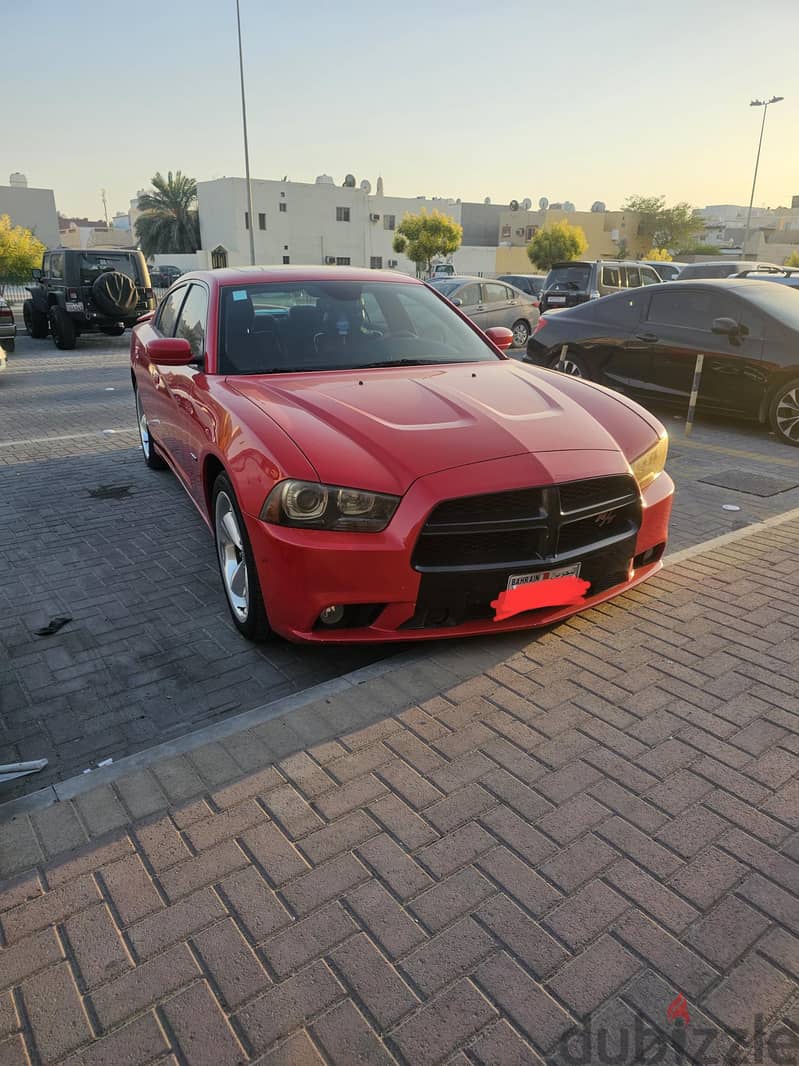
(501, 336)
(727, 327)
(169, 351)
(456, 301)
(36, 274)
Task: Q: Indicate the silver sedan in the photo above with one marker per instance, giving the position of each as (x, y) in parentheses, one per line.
(492, 303)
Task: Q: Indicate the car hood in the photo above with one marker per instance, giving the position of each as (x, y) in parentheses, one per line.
(382, 429)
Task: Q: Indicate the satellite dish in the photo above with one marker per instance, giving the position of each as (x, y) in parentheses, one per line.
(598, 207)
(487, 200)
(366, 186)
(349, 181)
(527, 203)
(543, 203)
(514, 205)
(568, 205)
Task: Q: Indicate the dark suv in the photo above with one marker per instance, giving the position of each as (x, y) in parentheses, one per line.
(87, 290)
(574, 282)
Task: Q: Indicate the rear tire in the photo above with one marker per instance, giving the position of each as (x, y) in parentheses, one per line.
(237, 564)
(114, 331)
(783, 414)
(521, 333)
(63, 329)
(8, 345)
(35, 321)
(152, 456)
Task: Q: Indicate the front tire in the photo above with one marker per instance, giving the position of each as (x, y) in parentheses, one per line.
(573, 365)
(521, 333)
(237, 563)
(63, 329)
(8, 345)
(35, 321)
(783, 412)
(152, 456)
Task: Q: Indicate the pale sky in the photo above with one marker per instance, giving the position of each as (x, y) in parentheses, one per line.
(577, 101)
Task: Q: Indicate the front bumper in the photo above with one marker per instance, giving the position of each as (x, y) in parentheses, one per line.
(303, 571)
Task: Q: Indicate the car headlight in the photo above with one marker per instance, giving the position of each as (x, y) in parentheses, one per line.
(311, 505)
(650, 465)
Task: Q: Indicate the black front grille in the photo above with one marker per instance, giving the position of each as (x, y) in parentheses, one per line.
(527, 526)
(494, 507)
(595, 492)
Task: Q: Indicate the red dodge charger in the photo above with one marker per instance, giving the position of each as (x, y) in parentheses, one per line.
(374, 468)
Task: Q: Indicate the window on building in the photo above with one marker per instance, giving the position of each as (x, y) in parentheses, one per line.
(282, 205)
(342, 260)
(261, 220)
(505, 234)
(530, 232)
(389, 221)
(342, 214)
(376, 262)
(286, 260)
(246, 219)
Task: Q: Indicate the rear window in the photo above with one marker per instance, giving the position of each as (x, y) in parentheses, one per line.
(446, 288)
(92, 266)
(708, 270)
(569, 278)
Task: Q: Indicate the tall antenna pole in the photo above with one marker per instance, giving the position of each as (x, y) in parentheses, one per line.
(246, 146)
(105, 207)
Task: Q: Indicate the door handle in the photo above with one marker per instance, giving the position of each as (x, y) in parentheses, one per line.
(649, 337)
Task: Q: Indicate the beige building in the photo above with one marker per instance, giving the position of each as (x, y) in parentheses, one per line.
(609, 233)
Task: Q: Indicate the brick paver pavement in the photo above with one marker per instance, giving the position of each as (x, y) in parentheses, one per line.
(453, 863)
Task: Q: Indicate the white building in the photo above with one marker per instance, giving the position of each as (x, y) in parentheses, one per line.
(324, 223)
(32, 208)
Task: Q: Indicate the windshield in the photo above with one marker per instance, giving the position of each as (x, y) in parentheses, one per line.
(569, 277)
(285, 327)
(92, 266)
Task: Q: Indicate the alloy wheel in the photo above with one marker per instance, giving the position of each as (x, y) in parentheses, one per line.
(144, 432)
(230, 549)
(521, 334)
(568, 366)
(787, 415)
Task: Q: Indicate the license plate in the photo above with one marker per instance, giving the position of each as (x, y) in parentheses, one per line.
(74, 305)
(556, 299)
(515, 580)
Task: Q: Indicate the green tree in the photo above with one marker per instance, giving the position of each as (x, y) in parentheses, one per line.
(169, 221)
(424, 236)
(665, 227)
(792, 260)
(20, 252)
(556, 242)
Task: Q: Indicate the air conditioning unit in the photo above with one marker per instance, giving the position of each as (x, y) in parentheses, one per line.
(392, 262)
(330, 260)
(520, 231)
(374, 218)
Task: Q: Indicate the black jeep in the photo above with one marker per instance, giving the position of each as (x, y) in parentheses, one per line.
(87, 290)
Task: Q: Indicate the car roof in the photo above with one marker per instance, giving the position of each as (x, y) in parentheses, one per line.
(251, 275)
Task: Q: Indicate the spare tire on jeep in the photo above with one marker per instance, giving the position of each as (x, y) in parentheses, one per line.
(115, 294)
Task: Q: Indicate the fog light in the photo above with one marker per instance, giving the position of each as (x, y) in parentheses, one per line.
(332, 615)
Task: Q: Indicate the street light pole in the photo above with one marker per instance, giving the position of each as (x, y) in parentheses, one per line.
(246, 146)
(765, 105)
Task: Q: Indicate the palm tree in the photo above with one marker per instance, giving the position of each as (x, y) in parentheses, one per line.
(169, 221)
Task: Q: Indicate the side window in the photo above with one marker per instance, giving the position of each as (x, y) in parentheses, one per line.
(621, 310)
(633, 277)
(470, 295)
(57, 266)
(168, 312)
(46, 265)
(648, 276)
(496, 293)
(192, 319)
(373, 312)
(687, 310)
(610, 277)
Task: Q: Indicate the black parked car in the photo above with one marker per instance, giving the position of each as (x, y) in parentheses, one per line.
(87, 290)
(645, 343)
(532, 284)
